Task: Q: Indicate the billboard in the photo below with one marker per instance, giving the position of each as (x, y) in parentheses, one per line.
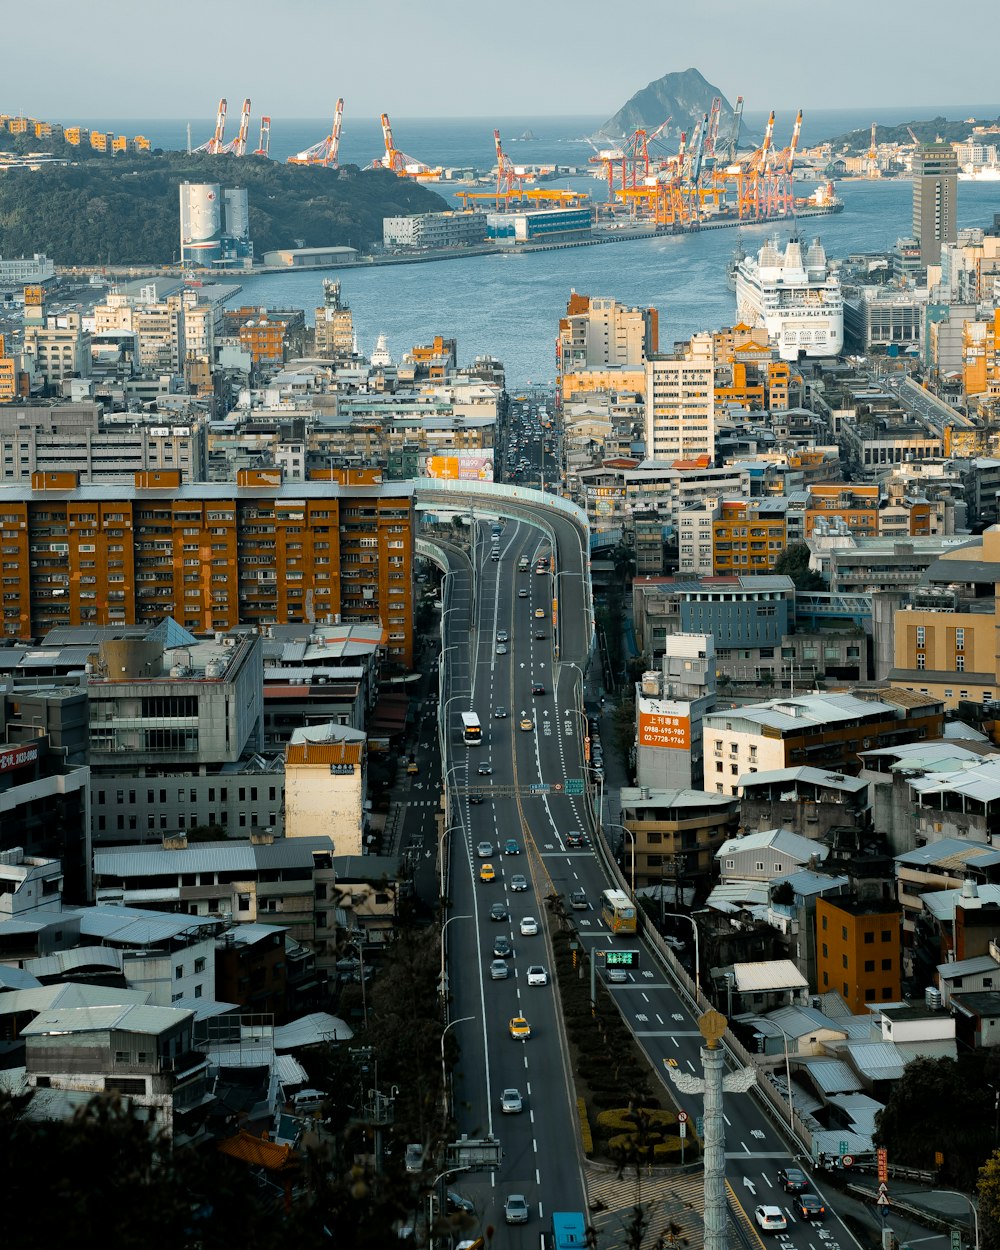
(460, 466)
(18, 757)
(661, 729)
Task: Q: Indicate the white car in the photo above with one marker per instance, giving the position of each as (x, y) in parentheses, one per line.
(537, 975)
(511, 1102)
(529, 926)
(770, 1219)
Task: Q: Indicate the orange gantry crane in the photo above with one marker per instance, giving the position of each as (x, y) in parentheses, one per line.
(216, 144)
(401, 164)
(510, 177)
(263, 147)
(238, 146)
(327, 151)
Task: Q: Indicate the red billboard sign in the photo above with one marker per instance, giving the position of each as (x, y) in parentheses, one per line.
(17, 757)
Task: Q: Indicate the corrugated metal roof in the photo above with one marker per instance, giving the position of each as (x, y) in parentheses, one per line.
(832, 1076)
(950, 852)
(860, 1111)
(813, 709)
(154, 861)
(817, 776)
(731, 896)
(289, 1071)
(311, 1030)
(806, 882)
(138, 1018)
(770, 974)
(132, 926)
(799, 1021)
(879, 1060)
(782, 840)
(967, 967)
(78, 957)
(69, 995)
(17, 979)
(942, 903)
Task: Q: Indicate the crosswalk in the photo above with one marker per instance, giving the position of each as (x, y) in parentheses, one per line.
(674, 1204)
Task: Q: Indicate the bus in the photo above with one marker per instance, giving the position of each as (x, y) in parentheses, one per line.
(569, 1230)
(472, 731)
(618, 912)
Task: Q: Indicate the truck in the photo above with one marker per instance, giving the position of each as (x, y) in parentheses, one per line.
(569, 1230)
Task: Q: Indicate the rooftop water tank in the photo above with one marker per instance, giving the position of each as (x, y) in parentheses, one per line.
(932, 996)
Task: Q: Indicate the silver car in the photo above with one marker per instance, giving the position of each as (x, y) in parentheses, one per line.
(499, 970)
(515, 1209)
(511, 1102)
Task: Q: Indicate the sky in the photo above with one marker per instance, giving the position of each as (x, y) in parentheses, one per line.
(494, 58)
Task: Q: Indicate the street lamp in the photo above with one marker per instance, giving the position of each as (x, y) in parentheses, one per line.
(972, 1207)
(788, 1078)
(444, 945)
(694, 928)
(444, 1074)
(613, 824)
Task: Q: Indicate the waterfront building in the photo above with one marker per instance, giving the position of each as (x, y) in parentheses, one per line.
(543, 225)
(19, 271)
(213, 555)
(935, 199)
(680, 403)
(434, 230)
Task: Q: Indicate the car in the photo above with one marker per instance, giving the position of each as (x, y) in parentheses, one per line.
(498, 912)
(529, 926)
(793, 1180)
(475, 797)
(578, 899)
(539, 614)
(413, 1160)
(674, 943)
(672, 1063)
(519, 1028)
(574, 838)
(499, 970)
(499, 713)
(502, 948)
(809, 1207)
(522, 593)
(501, 648)
(456, 1202)
(510, 847)
(511, 1102)
(495, 555)
(540, 634)
(615, 976)
(487, 873)
(537, 688)
(527, 724)
(537, 975)
(484, 850)
(502, 635)
(484, 770)
(515, 1209)
(518, 883)
(770, 1219)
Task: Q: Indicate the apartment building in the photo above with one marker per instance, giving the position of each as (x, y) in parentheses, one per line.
(271, 336)
(78, 438)
(212, 555)
(748, 535)
(945, 631)
(680, 403)
(854, 505)
(981, 358)
(859, 949)
(57, 348)
(675, 833)
(334, 334)
(603, 345)
(811, 729)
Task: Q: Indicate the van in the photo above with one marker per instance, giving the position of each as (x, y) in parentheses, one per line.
(578, 900)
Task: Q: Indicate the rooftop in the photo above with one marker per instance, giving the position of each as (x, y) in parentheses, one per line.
(772, 974)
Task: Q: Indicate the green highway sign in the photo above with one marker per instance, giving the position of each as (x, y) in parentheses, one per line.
(574, 785)
(621, 959)
(956, 1239)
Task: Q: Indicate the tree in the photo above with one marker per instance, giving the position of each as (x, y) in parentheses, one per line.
(794, 563)
(988, 1193)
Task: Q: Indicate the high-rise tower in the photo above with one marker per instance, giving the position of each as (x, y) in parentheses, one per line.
(935, 199)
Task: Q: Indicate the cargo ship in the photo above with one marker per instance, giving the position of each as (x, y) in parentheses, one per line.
(796, 298)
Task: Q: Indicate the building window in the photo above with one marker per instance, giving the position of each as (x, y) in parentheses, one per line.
(730, 863)
(869, 938)
(199, 964)
(759, 866)
(869, 995)
(886, 935)
(843, 932)
(921, 635)
(824, 922)
(886, 965)
(718, 766)
(887, 992)
(921, 661)
(959, 639)
(178, 972)
(869, 965)
(959, 663)
(843, 961)
(826, 952)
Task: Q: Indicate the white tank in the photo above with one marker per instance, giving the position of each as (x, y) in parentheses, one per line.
(200, 212)
(237, 212)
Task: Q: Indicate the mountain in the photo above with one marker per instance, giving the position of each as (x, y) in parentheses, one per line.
(685, 97)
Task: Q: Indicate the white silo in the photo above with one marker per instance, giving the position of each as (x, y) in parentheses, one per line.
(201, 222)
(237, 205)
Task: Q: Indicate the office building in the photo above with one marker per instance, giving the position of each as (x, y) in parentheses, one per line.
(212, 555)
(935, 199)
(670, 705)
(424, 230)
(680, 403)
(859, 949)
(334, 336)
(18, 271)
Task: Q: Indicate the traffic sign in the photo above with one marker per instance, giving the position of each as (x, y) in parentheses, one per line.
(847, 1161)
(700, 1125)
(539, 788)
(682, 1129)
(882, 1156)
(574, 785)
(621, 959)
(682, 1117)
(844, 1147)
(956, 1239)
(557, 787)
(883, 1200)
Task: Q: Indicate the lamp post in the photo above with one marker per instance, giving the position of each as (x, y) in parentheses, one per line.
(972, 1207)
(788, 1081)
(694, 928)
(444, 928)
(613, 824)
(444, 1074)
(441, 837)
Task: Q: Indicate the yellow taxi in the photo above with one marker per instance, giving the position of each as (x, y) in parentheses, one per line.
(487, 873)
(519, 1028)
(539, 614)
(527, 724)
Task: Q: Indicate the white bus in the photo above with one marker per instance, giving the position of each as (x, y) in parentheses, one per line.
(472, 731)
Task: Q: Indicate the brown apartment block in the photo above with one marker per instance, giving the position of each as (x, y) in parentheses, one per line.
(211, 555)
(859, 947)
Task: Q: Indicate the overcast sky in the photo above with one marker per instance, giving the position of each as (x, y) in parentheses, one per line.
(502, 58)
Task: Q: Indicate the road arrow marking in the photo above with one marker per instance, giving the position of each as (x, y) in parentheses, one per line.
(749, 1184)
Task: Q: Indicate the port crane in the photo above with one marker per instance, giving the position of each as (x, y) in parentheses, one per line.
(510, 177)
(873, 154)
(263, 147)
(216, 144)
(238, 146)
(327, 151)
(401, 164)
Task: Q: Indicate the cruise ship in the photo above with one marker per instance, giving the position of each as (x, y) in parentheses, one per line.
(797, 300)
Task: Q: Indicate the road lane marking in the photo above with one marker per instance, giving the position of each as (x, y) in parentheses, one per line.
(534, 1145)
(727, 1119)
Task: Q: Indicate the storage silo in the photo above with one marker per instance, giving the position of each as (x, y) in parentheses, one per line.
(237, 206)
(201, 225)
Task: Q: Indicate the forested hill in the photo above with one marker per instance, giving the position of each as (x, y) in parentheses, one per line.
(125, 210)
(857, 142)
